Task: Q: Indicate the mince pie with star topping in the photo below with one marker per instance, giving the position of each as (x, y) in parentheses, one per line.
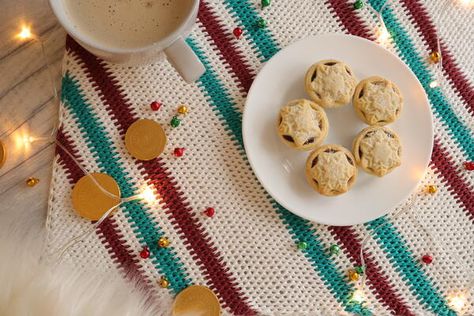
(331, 170)
(377, 150)
(302, 124)
(330, 83)
(377, 101)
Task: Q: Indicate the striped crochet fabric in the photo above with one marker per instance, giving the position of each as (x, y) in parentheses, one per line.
(247, 252)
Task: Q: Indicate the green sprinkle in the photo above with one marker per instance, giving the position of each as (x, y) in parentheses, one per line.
(175, 122)
(334, 249)
(302, 245)
(358, 4)
(261, 23)
(359, 269)
(265, 3)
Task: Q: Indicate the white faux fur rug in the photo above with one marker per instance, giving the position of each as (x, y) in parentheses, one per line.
(29, 287)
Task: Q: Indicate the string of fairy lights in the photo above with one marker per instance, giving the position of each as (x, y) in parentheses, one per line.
(457, 301)
(146, 192)
(383, 35)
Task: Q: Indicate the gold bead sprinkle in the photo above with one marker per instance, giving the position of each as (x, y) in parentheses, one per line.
(435, 57)
(183, 109)
(164, 283)
(431, 189)
(353, 275)
(163, 242)
(31, 181)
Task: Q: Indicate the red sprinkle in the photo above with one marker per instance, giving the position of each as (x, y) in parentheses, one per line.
(145, 253)
(178, 152)
(155, 106)
(209, 212)
(427, 259)
(237, 32)
(469, 165)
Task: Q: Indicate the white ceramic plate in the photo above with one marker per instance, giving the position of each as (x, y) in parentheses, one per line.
(280, 169)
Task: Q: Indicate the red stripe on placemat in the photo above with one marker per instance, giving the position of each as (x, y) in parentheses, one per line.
(375, 278)
(108, 230)
(384, 290)
(74, 173)
(422, 20)
(441, 160)
(443, 163)
(344, 11)
(196, 240)
(220, 36)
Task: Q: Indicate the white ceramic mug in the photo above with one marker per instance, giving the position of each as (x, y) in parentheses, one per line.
(180, 55)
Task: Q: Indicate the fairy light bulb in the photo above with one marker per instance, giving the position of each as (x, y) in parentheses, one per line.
(467, 2)
(22, 141)
(358, 296)
(28, 139)
(383, 35)
(457, 302)
(148, 195)
(433, 84)
(25, 33)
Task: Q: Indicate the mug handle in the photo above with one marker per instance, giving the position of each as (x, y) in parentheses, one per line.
(182, 57)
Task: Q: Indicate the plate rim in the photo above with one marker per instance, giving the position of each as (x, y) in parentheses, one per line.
(320, 37)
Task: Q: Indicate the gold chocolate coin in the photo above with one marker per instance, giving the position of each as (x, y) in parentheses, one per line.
(145, 139)
(3, 154)
(196, 300)
(90, 201)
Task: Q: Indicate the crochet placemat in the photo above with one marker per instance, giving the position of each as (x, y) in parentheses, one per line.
(247, 253)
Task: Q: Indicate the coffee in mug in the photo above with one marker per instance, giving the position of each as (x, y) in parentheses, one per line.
(126, 23)
(134, 32)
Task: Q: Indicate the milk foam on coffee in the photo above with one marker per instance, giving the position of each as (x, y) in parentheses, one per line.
(126, 23)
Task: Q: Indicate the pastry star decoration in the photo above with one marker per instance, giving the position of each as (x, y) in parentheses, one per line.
(384, 150)
(335, 179)
(332, 80)
(383, 101)
(301, 122)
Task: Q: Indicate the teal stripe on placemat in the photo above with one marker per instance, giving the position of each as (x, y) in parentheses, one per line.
(302, 230)
(391, 242)
(216, 91)
(266, 46)
(299, 228)
(260, 40)
(164, 259)
(461, 134)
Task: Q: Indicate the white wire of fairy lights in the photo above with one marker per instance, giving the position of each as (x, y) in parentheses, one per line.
(368, 237)
(457, 300)
(26, 34)
(147, 193)
(383, 35)
(429, 232)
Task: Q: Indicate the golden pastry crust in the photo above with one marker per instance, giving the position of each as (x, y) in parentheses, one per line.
(377, 150)
(331, 170)
(330, 83)
(377, 101)
(302, 124)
